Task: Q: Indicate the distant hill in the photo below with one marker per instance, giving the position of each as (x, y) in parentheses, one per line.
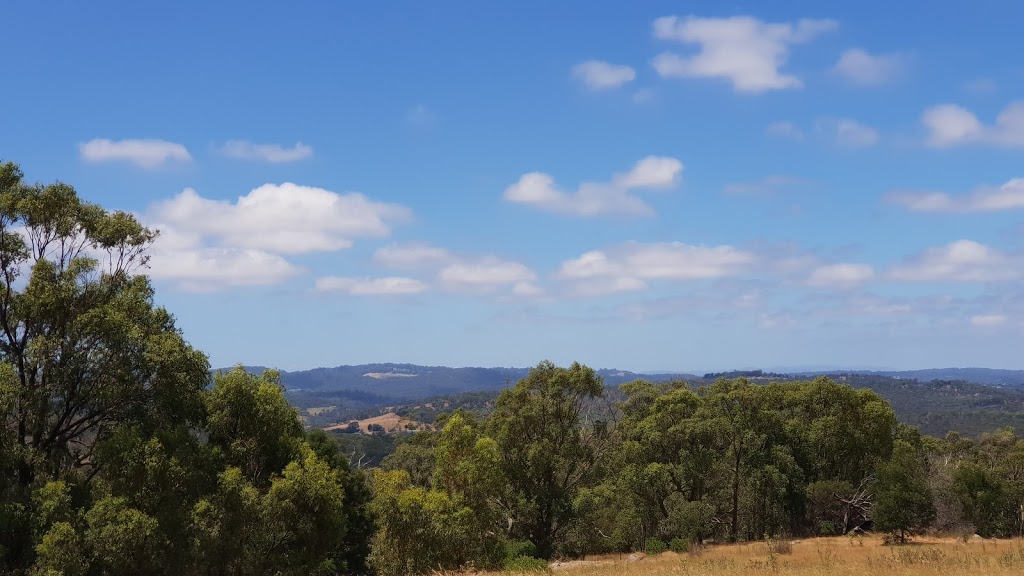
(988, 376)
(406, 382)
(969, 400)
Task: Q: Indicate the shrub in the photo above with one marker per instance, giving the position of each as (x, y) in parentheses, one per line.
(525, 564)
(653, 546)
(517, 548)
(679, 545)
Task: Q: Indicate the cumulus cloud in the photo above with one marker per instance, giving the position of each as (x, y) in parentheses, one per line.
(950, 125)
(743, 50)
(598, 75)
(147, 153)
(207, 244)
(386, 286)
(861, 67)
(598, 198)
(1008, 196)
(202, 269)
(628, 267)
(843, 275)
(959, 261)
(458, 273)
(283, 218)
(273, 153)
(848, 133)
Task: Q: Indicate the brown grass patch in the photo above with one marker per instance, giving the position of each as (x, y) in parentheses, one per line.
(840, 556)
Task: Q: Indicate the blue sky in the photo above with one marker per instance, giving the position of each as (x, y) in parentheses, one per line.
(656, 185)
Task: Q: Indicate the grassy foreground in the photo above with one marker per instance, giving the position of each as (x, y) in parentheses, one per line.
(860, 556)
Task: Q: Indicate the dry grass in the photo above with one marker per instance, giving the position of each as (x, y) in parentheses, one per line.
(391, 422)
(318, 410)
(859, 556)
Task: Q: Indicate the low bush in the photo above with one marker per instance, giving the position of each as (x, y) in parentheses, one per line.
(679, 545)
(525, 564)
(653, 546)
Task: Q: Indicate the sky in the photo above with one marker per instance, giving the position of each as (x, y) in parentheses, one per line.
(636, 185)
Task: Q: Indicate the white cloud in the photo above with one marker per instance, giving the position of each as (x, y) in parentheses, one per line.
(597, 199)
(627, 267)
(209, 244)
(199, 269)
(1009, 196)
(741, 49)
(861, 67)
(529, 289)
(463, 274)
(283, 218)
(843, 275)
(848, 133)
(598, 75)
(486, 275)
(960, 261)
(386, 286)
(988, 320)
(951, 125)
(414, 256)
(273, 153)
(146, 153)
(784, 130)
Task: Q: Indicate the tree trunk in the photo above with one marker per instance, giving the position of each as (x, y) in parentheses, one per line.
(736, 499)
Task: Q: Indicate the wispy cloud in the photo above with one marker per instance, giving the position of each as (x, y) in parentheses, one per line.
(1008, 196)
(628, 267)
(847, 133)
(147, 153)
(959, 261)
(273, 153)
(784, 129)
(598, 75)
(861, 67)
(386, 286)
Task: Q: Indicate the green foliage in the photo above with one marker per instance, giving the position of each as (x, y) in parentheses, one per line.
(60, 551)
(525, 564)
(250, 419)
(517, 548)
(547, 454)
(420, 530)
(904, 501)
(679, 545)
(123, 540)
(115, 456)
(654, 546)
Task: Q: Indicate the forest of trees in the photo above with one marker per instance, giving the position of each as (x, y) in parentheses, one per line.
(121, 455)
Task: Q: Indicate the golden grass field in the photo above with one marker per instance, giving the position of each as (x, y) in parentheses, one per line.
(841, 556)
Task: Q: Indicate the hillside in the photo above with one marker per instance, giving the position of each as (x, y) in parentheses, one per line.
(327, 396)
(987, 376)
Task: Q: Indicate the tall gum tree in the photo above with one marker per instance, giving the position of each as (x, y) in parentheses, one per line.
(89, 348)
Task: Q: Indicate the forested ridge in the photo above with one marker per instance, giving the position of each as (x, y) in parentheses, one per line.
(120, 456)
